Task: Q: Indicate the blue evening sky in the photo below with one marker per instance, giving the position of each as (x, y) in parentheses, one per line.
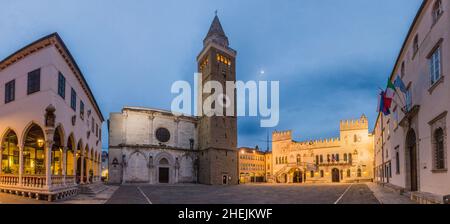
(329, 56)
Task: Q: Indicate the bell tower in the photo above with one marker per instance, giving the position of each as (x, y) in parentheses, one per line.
(218, 155)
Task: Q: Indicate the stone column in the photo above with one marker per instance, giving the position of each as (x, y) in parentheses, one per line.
(20, 163)
(64, 166)
(82, 167)
(48, 163)
(74, 158)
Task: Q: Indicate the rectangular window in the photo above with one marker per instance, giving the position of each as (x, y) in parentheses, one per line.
(92, 125)
(81, 110)
(61, 85)
(435, 66)
(73, 100)
(408, 99)
(34, 81)
(10, 91)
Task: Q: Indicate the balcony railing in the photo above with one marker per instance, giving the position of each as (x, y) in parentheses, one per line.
(9, 180)
(343, 163)
(34, 181)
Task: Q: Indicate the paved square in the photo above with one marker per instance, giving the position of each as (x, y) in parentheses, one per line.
(244, 194)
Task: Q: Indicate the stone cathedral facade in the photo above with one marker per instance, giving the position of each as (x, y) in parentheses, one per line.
(156, 147)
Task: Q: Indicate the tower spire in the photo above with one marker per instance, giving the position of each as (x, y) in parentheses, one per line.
(216, 33)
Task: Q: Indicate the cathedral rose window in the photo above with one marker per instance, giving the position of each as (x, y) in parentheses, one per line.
(162, 134)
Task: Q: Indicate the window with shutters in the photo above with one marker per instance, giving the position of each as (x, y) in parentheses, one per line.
(34, 81)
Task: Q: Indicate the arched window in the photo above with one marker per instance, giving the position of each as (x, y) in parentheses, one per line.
(359, 172)
(33, 151)
(439, 154)
(10, 157)
(328, 158)
(299, 159)
(312, 173)
(345, 157)
(321, 158)
(348, 173)
(437, 11)
(337, 157)
(317, 160)
(350, 158)
(321, 173)
(355, 138)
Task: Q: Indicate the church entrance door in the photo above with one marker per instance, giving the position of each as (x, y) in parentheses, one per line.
(163, 175)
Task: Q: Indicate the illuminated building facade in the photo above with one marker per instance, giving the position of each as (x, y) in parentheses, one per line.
(50, 123)
(252, 165)
(345, 159)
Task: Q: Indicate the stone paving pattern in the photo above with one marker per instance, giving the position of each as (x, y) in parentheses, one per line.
(369, 193)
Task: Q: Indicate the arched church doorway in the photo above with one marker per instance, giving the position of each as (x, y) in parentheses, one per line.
(411, 158)
(335, 175)
(163, 171)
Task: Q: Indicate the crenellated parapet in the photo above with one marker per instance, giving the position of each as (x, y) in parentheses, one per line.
(323, 143)
(281, 135)
(347, 125)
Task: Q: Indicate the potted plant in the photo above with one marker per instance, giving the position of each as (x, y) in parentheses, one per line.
(7, 170)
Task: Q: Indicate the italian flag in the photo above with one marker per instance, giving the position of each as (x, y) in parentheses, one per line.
(390, 91)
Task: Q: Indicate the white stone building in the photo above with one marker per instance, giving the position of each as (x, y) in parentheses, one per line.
(152, 146)
(411, 152)
(50, 123)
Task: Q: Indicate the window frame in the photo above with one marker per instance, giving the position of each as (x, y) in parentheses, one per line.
(34, 81)
(10, 95)
(435, 65)
(73, 99)
(61, 85)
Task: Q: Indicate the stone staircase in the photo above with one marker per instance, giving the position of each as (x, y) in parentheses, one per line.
(91, 189)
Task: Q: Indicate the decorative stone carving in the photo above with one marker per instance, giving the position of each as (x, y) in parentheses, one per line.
(50, 116)
(74, 120)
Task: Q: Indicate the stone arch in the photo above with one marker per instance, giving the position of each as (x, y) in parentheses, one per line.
(137, 167)
(27, 129)
(166, 155)
(34, 143)
(71, 149)
(9, 143)
(58, 149)
(165, 173)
